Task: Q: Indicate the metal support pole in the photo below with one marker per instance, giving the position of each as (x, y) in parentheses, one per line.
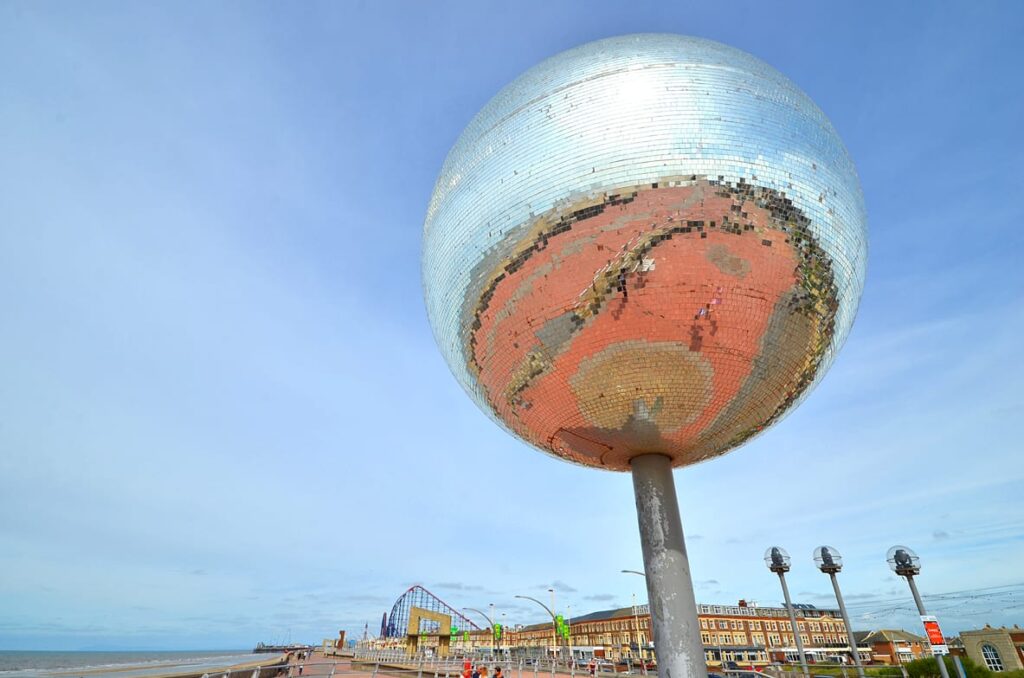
(677, 644)
(849, 629)
(792, 621)
(922, 612)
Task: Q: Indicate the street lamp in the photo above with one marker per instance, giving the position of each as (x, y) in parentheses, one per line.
(496, 630)
(479, 612)
(554, 620)
(905, 563)
(777, 561)
(636, 623)
(830, 562)
(568, 630)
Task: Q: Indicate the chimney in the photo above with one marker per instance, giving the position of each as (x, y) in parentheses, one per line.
(743, 603)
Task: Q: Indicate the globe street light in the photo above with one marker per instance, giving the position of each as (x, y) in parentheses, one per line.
(830, 562)
(905, 563)
(634, 261)
(777, 561)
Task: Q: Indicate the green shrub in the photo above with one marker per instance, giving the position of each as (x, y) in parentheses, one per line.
(929, 668)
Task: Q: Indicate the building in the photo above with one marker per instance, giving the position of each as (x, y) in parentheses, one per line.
(998, 648)
(741, 633)
(889, 646)
(745, 633)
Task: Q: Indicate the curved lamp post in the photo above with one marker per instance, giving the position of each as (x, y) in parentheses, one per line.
(905, 563)
(554, 620)
(830, 562)
(777, 561)
(489, 621)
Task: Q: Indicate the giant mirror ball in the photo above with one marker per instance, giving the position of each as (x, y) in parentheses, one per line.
(646, 244)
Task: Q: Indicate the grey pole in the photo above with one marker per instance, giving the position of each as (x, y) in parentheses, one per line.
(489, 621)
(554, 621)
(792, 621)
(849, 629)
(920, 609)
(677, 645)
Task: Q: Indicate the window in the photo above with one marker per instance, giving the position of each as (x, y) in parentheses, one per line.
(703, 623)
(705, 638)
(992, 659)
(722, 624)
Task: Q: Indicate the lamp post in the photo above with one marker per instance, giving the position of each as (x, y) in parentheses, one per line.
(568, 628)
(496, 631)
(674, 624)
(777, 561)
(636, 623)
(554, 621)
(557, 642)
(830, 562)
(905, 563)
(479, 612)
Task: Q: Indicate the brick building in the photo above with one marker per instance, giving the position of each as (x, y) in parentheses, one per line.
(891, 646)
(742, 633)
(998, 648)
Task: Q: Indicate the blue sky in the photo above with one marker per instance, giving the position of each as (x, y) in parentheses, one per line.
(223, 418)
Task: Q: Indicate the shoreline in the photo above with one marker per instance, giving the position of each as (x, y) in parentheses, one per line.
(269, 661)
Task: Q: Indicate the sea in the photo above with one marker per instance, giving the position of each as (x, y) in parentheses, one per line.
(16, 664)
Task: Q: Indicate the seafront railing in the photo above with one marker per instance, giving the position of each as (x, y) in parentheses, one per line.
(511, 667)
(398, 662)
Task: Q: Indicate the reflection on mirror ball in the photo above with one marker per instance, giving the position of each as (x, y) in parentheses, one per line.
(650, 243)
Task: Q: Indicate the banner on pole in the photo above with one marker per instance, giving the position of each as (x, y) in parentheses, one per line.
(934, 633)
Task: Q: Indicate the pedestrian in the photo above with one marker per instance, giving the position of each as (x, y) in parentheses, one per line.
(497, 672)
(300, 669)
(592, 667)
(476, 672)
(483, 672)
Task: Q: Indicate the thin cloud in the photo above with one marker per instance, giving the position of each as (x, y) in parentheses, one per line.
(557, 585)
(456, 586)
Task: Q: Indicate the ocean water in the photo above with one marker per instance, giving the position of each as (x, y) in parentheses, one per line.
(14, 664)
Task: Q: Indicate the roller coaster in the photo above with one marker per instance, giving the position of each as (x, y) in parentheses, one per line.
(396, 624)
